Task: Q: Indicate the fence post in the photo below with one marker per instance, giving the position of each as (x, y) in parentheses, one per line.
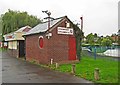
(96, 74)
(73, 68)
(57, 65)
(95, 53)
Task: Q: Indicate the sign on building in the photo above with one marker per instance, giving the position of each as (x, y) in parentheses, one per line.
(66, 31)
(10, 36)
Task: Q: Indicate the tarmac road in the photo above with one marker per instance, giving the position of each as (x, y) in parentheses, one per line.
(18, 71)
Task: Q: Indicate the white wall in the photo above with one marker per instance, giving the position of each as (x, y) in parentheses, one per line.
(12, 45)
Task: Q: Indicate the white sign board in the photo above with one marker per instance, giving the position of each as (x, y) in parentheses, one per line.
(9, 37)
(66, 31)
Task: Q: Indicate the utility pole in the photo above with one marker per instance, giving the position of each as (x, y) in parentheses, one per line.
(48, 13)
(81, 36)
(81, 23)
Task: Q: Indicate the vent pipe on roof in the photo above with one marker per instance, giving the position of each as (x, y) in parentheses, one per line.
(81, 23)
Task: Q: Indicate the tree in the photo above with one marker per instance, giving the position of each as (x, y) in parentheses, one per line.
(0, 24)
(79, 35)
(94, 39)
(0, 28)
(13, 20)
(95, 35)
(90, 38)
(106, 42)
(99, 41)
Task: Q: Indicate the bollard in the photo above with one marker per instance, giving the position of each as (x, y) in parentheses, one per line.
(96, 74)
(57, 65)
(73, 69)
(51, 61)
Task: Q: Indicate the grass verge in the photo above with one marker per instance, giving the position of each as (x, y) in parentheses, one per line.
(85, 69)
(108, 69)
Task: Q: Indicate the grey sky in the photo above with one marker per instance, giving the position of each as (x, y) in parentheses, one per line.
(100, 16)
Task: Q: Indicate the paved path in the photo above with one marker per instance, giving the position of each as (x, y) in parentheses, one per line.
(17, 71)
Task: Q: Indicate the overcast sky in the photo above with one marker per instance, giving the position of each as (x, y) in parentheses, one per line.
(100, 16)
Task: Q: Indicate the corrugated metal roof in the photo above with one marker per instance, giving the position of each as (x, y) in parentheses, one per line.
(42, 27)
(19, 30)
(22, 29)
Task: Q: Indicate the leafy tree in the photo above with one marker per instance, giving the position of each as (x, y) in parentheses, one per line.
(90, 38)
(109, 37)
(0, 24)
(106, 42)
(95, 35)
(99, 41)
(13, 20)
(79, 35)
(0, 28)
(93, 39)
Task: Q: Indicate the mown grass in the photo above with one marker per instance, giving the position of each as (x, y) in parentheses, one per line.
(3, 49)
(85, 69)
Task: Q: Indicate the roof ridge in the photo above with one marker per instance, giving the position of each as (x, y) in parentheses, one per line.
(43, 27)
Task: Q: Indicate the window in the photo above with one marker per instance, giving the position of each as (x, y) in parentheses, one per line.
(41, 41)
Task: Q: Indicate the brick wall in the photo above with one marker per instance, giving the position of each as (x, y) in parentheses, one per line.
(13, 52)
(33, 52)
(56, 47)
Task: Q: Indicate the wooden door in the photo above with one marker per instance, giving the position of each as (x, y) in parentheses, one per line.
(72, 48)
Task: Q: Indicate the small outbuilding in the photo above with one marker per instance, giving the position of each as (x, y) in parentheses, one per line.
(56, 42)
(15, 42)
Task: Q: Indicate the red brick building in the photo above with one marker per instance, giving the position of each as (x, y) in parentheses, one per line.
(57, 43)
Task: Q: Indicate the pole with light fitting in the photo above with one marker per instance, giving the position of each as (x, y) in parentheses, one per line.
(48, 13)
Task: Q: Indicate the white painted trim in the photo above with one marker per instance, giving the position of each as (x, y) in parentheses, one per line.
(39, 40)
